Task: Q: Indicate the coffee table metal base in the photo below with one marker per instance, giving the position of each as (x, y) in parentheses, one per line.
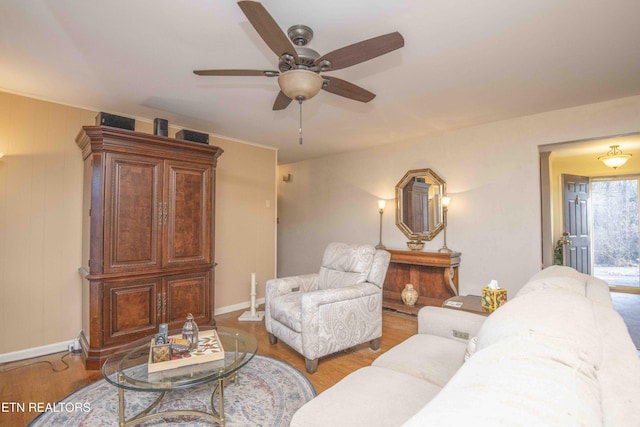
(145, 415)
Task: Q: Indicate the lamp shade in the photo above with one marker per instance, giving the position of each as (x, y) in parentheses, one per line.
(300, 84)
(616, 161)
(382, 204)
(614, 158)
(446, 201)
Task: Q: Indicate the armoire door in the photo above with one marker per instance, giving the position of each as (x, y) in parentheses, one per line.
(133, 189)
(187, 293)
(187, 214)
(132, 309)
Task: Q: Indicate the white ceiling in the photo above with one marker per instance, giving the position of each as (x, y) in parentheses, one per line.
(464, 63)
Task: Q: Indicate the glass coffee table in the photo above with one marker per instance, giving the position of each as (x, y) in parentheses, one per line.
(127, 370)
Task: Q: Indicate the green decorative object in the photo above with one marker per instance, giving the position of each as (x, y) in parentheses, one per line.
(558, 257)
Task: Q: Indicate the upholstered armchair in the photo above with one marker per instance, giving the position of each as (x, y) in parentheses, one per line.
(337, 308)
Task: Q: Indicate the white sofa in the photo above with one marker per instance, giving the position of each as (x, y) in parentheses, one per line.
(557, 354)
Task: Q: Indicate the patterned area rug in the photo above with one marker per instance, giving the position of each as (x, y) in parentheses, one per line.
(268, 394)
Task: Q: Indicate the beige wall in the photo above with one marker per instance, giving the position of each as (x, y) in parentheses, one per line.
(492, 175)
(41, 225)
(245, 221)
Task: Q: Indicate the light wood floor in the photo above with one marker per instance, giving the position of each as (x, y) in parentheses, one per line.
(39, 383)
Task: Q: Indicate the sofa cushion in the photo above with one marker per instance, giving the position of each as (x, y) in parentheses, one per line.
(570, 284)
(345, 264)
(371, 396)
(557, 271)
(569, 279)
(430, 357)
(519, 381)
(561, 318)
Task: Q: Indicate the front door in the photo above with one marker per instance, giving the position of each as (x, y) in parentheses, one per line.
(577, 249)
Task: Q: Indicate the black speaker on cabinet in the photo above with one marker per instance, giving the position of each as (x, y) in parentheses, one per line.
(106, 119)
(189, 135)
(160, 127)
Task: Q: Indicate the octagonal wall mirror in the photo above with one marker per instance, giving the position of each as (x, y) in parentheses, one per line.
(419, 204)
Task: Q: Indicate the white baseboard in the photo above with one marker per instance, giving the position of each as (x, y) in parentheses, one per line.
(29, 353)
(236, 307)
(35, 351)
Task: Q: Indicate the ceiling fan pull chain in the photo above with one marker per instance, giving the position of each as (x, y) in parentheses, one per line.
(300, 128)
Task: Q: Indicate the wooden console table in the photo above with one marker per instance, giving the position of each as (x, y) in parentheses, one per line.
(433, 274)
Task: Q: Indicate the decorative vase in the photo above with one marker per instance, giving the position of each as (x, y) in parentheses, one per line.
(409, 295)
(415, 245)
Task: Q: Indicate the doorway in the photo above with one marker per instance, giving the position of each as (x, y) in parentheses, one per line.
(580, 158)
(601, 228)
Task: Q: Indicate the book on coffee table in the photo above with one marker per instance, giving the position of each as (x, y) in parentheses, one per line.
(176, 353)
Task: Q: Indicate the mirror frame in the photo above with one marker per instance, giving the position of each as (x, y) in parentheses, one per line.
(399, 201)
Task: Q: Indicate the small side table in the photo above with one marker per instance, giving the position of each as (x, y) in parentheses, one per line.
(470, 303)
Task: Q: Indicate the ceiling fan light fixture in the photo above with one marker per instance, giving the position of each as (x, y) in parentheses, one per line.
(300, 84)
(614, 158)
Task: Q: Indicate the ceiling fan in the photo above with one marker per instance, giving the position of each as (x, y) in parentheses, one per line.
(299, 67)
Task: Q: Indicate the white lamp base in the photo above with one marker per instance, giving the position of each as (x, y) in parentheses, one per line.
(248, 317)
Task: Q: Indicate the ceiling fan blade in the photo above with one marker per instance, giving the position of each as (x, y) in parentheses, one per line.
(282, 101)
(362, 51)
(266, 73)
(268, 28)
(348, 90)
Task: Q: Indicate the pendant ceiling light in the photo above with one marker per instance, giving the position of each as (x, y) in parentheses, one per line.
(614, 158)
(300, 85)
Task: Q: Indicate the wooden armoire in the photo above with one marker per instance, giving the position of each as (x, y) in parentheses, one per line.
(148, 236)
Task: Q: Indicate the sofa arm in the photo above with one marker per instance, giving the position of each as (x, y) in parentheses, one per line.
(330, 296)
(284, 285)
(445, 322)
